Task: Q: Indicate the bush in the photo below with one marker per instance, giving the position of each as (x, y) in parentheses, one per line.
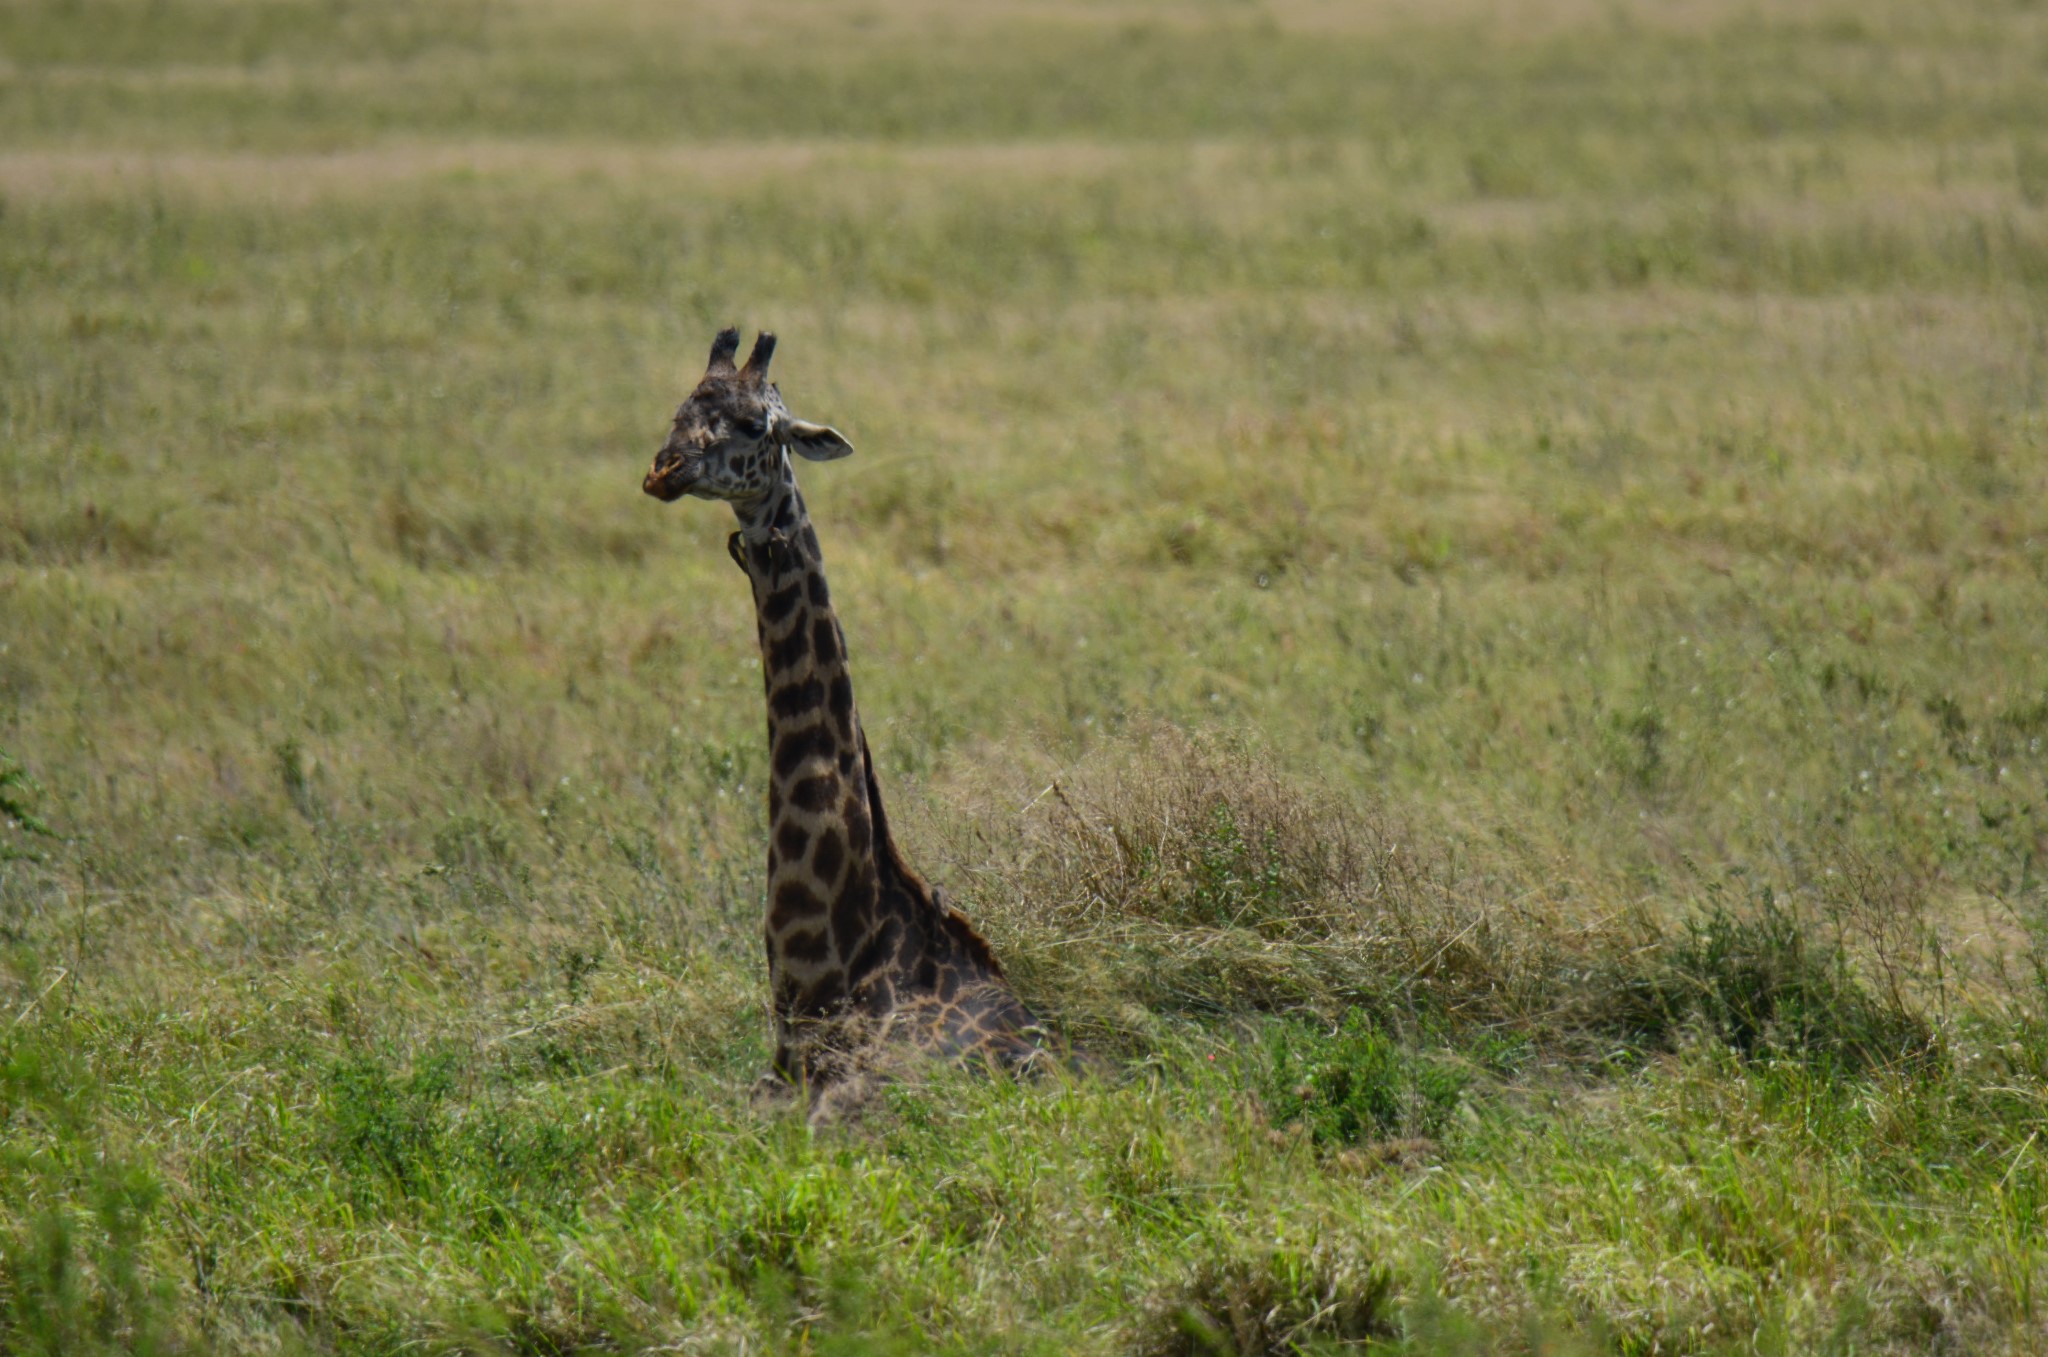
(1764, 985)
(1356, 1084)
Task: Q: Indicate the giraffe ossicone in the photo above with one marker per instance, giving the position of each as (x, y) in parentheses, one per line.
(863, 954)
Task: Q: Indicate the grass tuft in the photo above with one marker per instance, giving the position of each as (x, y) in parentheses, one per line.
(1274, 1302)
(1764, 986)
(1186, 876)
(1356, 1084)
(18, 791)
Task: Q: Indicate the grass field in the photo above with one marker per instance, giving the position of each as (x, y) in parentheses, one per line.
(1461, 588)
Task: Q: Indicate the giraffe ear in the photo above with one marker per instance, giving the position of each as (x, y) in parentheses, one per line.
(816, 441)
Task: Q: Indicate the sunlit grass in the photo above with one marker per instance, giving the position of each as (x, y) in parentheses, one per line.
(1462, 592)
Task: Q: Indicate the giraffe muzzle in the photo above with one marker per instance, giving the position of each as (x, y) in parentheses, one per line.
(666, 484)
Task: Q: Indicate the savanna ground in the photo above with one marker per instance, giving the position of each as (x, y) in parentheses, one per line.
(1462, 589)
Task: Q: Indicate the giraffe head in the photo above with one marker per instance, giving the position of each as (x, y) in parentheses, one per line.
(730, 435)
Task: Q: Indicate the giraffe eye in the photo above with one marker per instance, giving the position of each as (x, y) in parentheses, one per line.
(750, 428)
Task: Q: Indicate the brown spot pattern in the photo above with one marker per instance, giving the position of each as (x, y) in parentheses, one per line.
(795, 901)
(776, 608)
(794, 699)
(825, 641)
(797, 747)
(828, 855)
(787, 653)
(870, 955)
(809, 948)
(814, 794)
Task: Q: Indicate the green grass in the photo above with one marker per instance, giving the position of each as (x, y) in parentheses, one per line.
(1461, 589)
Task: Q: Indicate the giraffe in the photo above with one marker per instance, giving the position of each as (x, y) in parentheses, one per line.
(860, 948)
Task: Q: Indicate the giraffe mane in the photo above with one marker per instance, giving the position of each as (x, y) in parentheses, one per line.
(893, 865)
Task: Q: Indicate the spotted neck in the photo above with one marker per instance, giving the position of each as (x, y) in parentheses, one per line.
(850, 927)
(853, 933)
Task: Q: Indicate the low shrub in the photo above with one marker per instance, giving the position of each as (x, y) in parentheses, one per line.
(1765, 984)
(1355, 1083)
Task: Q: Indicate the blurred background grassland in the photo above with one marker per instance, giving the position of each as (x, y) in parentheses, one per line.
(1462, 589)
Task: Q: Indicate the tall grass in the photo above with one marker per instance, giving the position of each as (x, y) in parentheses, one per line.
(1461, 591)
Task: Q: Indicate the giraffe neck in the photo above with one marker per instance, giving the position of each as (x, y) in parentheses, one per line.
(851, 928)
(835, 931)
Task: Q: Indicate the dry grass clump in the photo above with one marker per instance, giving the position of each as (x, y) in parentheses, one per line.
(1270, 1303)
(1182, 874)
